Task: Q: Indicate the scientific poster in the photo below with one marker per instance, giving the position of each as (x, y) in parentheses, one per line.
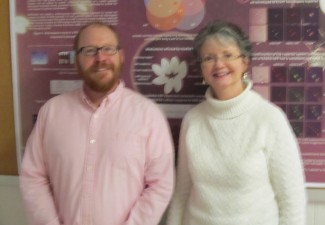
(288, 39)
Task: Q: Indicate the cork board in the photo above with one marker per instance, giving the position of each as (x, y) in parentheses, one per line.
(8, 159)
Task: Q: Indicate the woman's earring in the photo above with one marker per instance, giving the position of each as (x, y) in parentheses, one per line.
(245, 76)
(203, 82)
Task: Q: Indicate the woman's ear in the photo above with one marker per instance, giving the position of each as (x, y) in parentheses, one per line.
(246, 61)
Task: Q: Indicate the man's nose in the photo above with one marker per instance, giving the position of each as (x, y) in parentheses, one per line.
(100, 56)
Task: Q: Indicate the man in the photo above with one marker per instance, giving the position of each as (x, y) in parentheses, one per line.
(102, 155)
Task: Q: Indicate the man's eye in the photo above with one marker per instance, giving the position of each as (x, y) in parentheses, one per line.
(90, 50)
(107, 49)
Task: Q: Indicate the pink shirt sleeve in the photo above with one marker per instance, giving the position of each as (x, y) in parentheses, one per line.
(159, 177)
(34, 183)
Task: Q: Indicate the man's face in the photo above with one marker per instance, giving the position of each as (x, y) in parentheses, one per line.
(101, 71)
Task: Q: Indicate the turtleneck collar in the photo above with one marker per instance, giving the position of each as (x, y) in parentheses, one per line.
(226, 109)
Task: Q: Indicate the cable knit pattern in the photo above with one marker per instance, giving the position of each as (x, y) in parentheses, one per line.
(239, 164)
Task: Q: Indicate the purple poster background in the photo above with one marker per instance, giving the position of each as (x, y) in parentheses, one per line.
(287, 66)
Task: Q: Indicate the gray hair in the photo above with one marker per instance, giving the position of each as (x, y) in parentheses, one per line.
(223, 31)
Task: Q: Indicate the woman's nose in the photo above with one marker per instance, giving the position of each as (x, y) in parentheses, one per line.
(219, 63)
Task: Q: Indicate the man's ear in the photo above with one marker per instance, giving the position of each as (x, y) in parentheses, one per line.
(122, 57)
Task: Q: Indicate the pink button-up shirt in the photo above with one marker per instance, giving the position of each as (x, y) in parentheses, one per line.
(111, 165)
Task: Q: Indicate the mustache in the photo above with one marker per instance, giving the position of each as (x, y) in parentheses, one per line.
(102, 66)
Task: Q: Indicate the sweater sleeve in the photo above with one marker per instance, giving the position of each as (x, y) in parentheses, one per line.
(183, 183)
(286, 171)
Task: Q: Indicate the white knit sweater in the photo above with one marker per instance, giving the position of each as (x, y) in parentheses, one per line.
(239, 164)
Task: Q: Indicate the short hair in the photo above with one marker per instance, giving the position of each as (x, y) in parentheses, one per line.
(94, 24)
(226, 31)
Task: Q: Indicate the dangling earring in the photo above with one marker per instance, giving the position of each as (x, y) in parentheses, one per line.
(245, 76)
(203, 82)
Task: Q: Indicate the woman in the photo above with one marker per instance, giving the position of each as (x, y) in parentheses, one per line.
(239, 161)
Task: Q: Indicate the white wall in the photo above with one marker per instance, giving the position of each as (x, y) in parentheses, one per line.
(316, 207)
(11, 211)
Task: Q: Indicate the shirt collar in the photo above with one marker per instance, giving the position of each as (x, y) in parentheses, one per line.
(110, 97)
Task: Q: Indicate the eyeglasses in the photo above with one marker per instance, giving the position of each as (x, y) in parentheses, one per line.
(92, 50)
(211, 59)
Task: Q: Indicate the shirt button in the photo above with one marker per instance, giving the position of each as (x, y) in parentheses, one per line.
(92, 141)
(89, 168)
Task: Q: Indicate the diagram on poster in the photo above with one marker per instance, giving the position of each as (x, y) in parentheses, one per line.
(157, 36)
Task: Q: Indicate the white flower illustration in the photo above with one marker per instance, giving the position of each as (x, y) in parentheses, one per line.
(170, 73)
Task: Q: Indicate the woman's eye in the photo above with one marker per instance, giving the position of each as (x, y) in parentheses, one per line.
(208, 58)
(228, 56)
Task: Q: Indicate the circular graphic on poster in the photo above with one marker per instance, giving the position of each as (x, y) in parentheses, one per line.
(175, 14)
(165, 70)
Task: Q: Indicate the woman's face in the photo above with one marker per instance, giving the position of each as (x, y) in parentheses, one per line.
(222, 66)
